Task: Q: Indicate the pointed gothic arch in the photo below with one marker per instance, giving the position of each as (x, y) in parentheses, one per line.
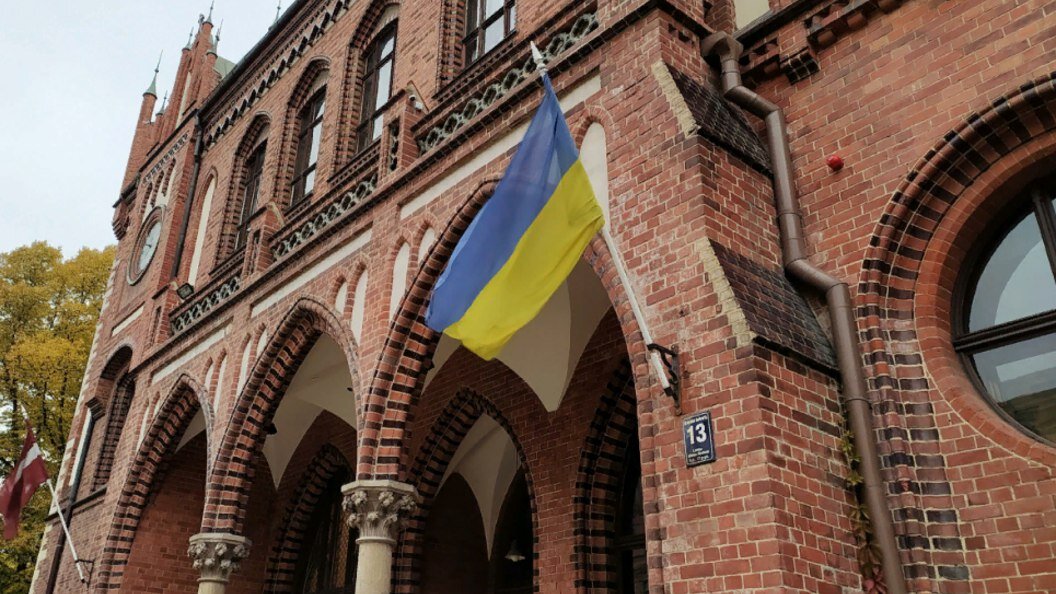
(327, 464)
(257, 402)
(409, 345)
(431, 464)
(166, 430)
(601, 470)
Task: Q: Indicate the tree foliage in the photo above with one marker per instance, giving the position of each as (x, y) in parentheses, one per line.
(48, 310)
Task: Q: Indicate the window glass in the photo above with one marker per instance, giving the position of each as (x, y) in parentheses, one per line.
(488, 22)
(308, 143)
(1017, 281)
(384, 85)
(1011, 342)
(380, 60)
(1021, 378)
(493, 34)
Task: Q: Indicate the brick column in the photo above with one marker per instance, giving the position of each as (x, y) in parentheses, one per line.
(379, 509)
(216, 555)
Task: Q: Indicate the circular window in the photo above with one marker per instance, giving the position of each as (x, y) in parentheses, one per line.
(1007, 317)
(146, 245)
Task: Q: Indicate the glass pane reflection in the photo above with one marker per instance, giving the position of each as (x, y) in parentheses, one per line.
(1017, 281)
(1021, 377)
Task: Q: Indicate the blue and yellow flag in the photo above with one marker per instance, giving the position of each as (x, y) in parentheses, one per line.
(524, 242)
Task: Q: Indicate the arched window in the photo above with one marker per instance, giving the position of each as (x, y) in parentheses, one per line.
(488, 22)
(1006, 330)
(379, 61)
(309, 137)
(629, 542)
(327, 564)
(250, 193)
(117, 414)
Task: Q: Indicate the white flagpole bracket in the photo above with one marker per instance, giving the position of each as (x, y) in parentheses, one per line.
(666, 363)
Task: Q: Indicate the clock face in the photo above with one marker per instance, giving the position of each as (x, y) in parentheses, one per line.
(150, 243)
(146, 246)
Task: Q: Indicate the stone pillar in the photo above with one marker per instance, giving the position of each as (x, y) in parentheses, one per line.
(379, 509)
(216, 555)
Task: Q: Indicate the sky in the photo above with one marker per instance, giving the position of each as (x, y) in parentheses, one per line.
(71, 82)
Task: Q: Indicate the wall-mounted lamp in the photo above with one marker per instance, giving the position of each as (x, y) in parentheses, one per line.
(514, 554)
(185, 291)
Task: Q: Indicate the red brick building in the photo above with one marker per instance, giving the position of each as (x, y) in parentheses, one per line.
(873, 335)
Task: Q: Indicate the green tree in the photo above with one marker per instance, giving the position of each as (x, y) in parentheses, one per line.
(48, 310)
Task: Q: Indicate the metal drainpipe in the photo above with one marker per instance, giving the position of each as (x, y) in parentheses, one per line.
(190, 197)
(837, 296)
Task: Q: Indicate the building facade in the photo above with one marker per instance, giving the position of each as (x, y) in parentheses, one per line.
(833, 232)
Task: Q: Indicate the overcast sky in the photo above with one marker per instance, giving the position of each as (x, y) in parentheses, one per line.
(71, 81)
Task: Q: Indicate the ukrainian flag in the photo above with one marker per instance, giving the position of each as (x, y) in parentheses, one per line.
(524, 242)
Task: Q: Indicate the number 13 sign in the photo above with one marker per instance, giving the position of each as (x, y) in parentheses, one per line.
(699, 438)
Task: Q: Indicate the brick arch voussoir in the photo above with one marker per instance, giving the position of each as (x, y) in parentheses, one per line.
(282, 564)
(898, 244)
(368, 24)
(600, 470)
(180, 406)
(429, 467)
(408, 349)
(897, 251)
(231, 479)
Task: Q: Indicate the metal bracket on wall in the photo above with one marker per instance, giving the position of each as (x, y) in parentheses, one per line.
(673, 368)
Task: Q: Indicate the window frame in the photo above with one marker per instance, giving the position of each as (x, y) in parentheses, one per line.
(373, 63)
(475, 31)
(1034, 202)
(309, 119)
(253, 176)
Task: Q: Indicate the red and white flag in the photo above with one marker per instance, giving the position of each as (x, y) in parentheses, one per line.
(28, 475)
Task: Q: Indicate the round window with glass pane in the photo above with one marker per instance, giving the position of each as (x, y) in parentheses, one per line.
(1006, 331)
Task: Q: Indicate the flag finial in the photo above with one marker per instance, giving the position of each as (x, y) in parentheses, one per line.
(540, 63)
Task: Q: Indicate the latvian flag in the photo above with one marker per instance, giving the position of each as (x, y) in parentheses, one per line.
(27, 476)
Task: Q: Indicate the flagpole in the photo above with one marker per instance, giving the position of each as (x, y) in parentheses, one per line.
(58, 509)
(655, 360)
(66, 530)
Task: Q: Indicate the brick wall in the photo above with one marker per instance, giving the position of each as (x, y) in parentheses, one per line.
(937, 107)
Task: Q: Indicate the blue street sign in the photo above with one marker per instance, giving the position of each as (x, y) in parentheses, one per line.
(700, 439)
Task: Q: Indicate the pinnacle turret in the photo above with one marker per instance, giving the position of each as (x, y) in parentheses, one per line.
(153, 88)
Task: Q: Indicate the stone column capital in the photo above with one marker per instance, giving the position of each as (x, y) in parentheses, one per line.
(379, 509)
(217, 554)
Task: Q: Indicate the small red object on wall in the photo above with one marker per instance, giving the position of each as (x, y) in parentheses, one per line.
(835, 162)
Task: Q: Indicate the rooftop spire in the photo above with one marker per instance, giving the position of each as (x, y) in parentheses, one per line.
(164, 103)
(209, 19)
(278, 11)
(216, 39)
(190, 39)
(153, 88)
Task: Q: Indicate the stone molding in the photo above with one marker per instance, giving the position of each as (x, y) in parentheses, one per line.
(379, 509)
(217, 554)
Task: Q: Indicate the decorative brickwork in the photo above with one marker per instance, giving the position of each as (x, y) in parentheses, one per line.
(327, 464)
(598, 481)
(166, 430)
(255, 406)
(430, 465)
(928, 510)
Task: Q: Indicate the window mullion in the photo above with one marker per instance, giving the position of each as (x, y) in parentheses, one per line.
(1043, 208)
(1007, 333)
